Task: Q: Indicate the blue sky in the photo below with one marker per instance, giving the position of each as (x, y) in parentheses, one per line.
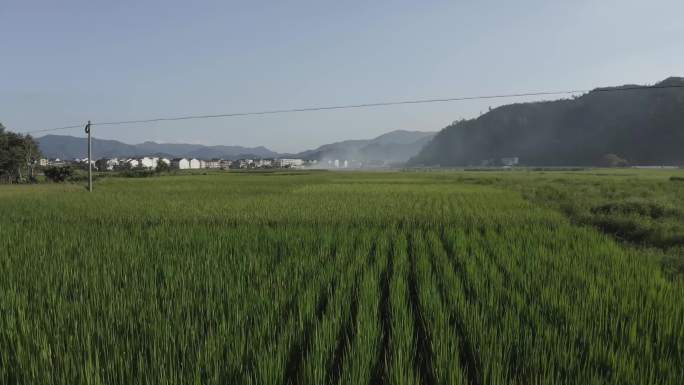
(64, 62)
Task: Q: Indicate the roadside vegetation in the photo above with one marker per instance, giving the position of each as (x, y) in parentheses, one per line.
(339, 278)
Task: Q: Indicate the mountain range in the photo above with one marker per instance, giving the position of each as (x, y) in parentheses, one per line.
(70, 147)
(392, 147)
(642, 126)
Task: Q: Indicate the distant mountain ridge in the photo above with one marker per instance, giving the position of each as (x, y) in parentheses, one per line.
(70, 147)
(643, 126)
(392, 147)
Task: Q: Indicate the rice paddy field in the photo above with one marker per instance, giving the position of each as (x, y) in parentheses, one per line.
(344, 278)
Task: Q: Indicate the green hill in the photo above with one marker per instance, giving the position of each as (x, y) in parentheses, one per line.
(645, 127)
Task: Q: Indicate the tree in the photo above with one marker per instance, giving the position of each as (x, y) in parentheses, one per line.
(123, 166)
(58, 174)
(18, 155)
(31, 155)
(101, 164)
(162, 167)
(4, 152)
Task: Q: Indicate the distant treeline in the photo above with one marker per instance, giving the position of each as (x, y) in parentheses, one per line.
(604, 127)
(18, 155)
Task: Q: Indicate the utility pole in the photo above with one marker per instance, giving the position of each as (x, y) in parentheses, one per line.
(90, 157)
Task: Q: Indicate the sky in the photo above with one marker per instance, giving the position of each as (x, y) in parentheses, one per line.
(65, 62)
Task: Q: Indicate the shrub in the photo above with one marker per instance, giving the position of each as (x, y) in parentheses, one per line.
(59, 174)
(627, 229)
(137, 173)
(162, 167)
(640, 207)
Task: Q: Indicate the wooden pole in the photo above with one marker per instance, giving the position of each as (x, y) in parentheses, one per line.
(90, 157)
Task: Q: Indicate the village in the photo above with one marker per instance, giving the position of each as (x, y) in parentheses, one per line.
(153, 162)
(156, 162)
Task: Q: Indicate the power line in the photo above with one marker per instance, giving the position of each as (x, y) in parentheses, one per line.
(363, 105)
(55, 129)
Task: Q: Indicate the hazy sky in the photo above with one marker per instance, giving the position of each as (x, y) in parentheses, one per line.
(64, 62)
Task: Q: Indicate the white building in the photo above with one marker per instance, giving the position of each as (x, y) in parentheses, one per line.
(165, 160)
(244, 163)
(337, 163)
(214, 163)
(43, 162)
(180, 163)
(664, 167)
(510, 161)
(109, 164)
(132, 163)
(56, 162)
(262, 163)
(147, 162)
(194, 163)
(285, 162)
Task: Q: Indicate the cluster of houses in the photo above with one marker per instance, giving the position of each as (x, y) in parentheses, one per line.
(109, 164)
(505, 162)
(150, 163)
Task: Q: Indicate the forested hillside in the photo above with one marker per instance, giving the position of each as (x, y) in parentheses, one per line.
(645, 127)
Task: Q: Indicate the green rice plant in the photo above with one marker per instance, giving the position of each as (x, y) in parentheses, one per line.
(363, 353)
(402, 340)
(317, 364)
(446, 367)
(391, 278)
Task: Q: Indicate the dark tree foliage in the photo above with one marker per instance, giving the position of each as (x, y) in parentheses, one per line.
(101, 164)
(59, 174)
(645, 127)
(162, 167)
(18, 156)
